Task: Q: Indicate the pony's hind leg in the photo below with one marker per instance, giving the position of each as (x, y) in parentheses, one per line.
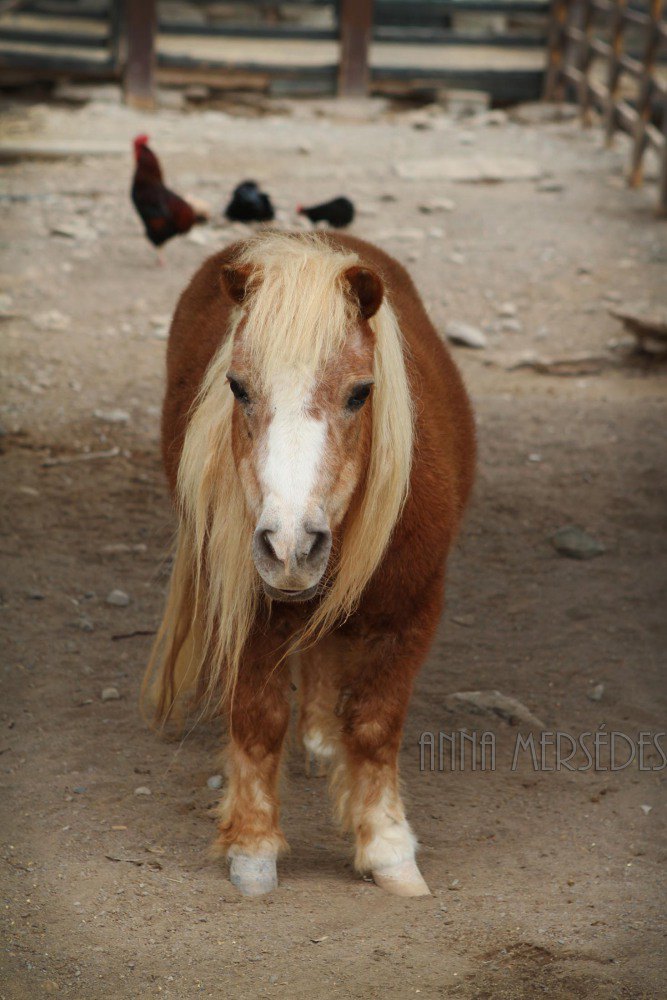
(249, 830)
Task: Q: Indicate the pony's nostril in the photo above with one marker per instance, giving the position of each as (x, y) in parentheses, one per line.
(319, 544)
(268, 545)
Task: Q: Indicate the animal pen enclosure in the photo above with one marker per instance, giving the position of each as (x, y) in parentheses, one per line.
(610, 56)
(309, 47)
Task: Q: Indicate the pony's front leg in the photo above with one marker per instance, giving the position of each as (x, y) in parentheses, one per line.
(372, 711)
(249, 830)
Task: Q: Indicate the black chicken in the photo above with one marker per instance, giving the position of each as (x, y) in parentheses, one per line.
(249, 204)
(338, 212)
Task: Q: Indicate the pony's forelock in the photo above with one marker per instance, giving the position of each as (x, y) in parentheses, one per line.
(297, 312)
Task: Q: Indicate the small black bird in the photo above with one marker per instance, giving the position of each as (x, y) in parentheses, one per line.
(338, 213)
(249, 204)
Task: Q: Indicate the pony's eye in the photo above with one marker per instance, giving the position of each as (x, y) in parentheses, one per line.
(238, 390)
(359, 395)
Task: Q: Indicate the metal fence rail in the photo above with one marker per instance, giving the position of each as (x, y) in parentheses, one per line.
(589, 55)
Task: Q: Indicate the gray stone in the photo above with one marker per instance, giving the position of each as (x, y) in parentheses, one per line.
(576, 543)
(507, 309)
(110, 694)
(437, 205)
(215, 782)
(595, 694)
(473, 168)
(495, 703)
(51, 320)
(112, 416)
(142, 790)
(465, 334)
(118, 599)
(549, 186)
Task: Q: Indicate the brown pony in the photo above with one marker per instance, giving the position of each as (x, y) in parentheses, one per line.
(319, 446)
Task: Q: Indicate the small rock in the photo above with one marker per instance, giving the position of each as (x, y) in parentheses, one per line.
(576, 543)
(511, 325)
(507, 310)
(198, 236)
(215, 782)
(120, 548)
(35, 595)
(496, 703)
(543, 112)
(465, 334)
(454, 884)
(595, 694)
(548, 186)
(112, 416)
(142, 790)
(51, 320)
(457, 258)
(305, 147)
(118, 599)
(495, 117)
(437, 205)
(534, 457)
(85, 625)
(110, 694)
(469, 169)
(646, 809)
(467, 621)
(76, 229)
(80, 790)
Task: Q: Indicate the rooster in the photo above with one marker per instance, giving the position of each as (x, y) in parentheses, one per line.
(163, 213)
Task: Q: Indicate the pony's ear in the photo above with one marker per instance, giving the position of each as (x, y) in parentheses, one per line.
(366, 288)
(235, 281)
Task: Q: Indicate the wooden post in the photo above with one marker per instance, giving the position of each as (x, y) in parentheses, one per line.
(645, 93)
(356, 29)
(585, 60)
(557, 42)
(141, 28)
(614, 71)
(662, 192)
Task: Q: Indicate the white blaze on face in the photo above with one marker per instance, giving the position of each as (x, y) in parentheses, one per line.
(292, 457)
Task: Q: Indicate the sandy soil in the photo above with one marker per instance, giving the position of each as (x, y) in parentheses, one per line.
(543, 883)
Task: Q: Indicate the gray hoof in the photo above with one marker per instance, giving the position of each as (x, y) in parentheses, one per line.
(253, 875)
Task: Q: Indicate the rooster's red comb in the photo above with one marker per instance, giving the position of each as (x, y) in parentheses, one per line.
(141, 140)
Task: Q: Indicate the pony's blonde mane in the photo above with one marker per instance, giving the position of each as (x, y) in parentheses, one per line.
(298, 312)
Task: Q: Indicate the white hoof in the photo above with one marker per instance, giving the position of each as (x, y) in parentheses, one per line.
(253, 876)
(402, 879)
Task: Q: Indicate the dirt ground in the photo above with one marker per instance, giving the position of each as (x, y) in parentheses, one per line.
(544, 882)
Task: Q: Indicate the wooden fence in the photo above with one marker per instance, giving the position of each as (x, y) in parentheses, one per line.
(607, 53)
(360, 46)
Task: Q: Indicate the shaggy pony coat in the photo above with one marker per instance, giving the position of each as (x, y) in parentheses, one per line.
(365, 634)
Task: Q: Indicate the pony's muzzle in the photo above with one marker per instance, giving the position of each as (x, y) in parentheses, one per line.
(291, 561)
